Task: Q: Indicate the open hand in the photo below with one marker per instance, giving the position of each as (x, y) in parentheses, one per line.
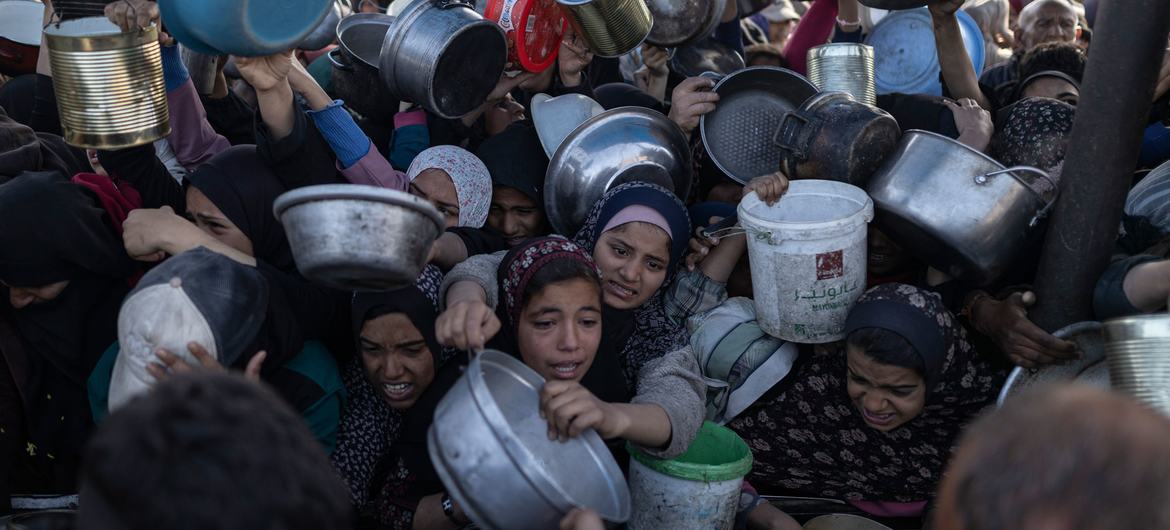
(171, 364)
(1006, 322)
(770, 188)
(973, 122)
(265, 73)
(571, 409)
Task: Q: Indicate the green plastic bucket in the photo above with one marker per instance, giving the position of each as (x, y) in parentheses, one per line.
(696, 490)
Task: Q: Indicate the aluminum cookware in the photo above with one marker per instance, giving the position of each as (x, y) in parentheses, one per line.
(1138, 350)
(444, 56)
(626, 144)
(843, 67)
(957, 209)
(491, 449)
(739, 135)
(201, 67)
(109, 84)
(355, 65)
(834, 137)
(706, 55)
(1091, 368)
(20, 36)
(677, 22)
(612, 28)
(326, 31)
(556, 118)
(358, 238)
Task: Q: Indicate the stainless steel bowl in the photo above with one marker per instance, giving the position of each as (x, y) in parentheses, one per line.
(43, 520)
(491, 449)
(356, 237)
(325, 32)
(1091, 368)
(626, 144)
(677, 22)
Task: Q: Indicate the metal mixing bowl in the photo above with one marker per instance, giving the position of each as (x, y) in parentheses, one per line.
(626, 144)
(358, 238)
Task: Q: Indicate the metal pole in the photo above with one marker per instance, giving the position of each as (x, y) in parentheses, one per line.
(1127, 49)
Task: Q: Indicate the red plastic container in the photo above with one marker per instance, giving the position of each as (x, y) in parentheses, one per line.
(534, 29)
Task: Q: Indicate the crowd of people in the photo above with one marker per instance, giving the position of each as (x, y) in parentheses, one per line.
(164, 358)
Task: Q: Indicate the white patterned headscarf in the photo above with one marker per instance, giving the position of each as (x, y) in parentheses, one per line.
(473, 182)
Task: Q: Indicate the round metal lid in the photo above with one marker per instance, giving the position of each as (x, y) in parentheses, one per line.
(905, 60)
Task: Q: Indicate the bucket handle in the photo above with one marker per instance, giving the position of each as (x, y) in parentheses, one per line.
(729, 227)
(985, 178)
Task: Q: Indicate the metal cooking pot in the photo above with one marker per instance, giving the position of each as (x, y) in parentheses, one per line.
(355, 65)
(957, 209)
(1090, 368)
(835, 137)
(201, 67)
(109, 83)
(326, 31)
(358, 238)
(707, 55)
(20, 36)
(739, 134)
(491, 449)
(612, 28)
(626, 144)
(444, 56)
(43, 520)
(677, 22)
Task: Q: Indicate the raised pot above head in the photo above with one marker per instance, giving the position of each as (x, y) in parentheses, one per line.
(612, 28)
(251, 28)
(957, 209)
(444, 56)
(358, 238)
(677, 22)
(622, 145)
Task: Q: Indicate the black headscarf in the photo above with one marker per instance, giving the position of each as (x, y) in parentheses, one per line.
(243, 187)
(52, 230)
(516, 159)
(23, 149)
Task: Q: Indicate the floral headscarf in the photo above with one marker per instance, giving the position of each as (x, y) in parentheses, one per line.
(653, 335)
(524, 261)
(473, 182)
(1034, 132)
(810, 439)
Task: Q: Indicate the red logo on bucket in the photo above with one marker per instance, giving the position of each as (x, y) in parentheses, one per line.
(831, 265)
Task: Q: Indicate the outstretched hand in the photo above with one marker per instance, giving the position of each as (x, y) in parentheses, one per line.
(171, 364)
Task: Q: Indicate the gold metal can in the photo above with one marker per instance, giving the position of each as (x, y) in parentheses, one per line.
(612, 28)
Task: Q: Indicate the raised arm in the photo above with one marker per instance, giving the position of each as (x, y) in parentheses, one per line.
(957, 71)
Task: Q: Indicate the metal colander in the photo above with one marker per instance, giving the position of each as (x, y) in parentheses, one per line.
(844, 67)
(611, 27)
(109, 84)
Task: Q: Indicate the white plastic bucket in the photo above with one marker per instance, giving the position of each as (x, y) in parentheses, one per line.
(808, 258)
(698, 490)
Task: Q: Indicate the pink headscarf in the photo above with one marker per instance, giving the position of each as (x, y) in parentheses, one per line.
(473, 182)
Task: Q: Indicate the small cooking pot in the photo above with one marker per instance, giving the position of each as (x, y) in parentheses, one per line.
(957, 209)
(355, 65)
(677, 22)
(444, 56)
(835, 137)
(20, 36)
(43, 520)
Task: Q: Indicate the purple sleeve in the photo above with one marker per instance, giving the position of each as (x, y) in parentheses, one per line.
(192, 137)
(374, 170)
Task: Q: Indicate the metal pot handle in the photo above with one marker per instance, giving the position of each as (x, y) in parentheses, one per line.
(337, 62)
(795, 133)
(1049, 203)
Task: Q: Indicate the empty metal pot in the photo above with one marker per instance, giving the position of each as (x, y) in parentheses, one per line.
(491, 449)
(706, 55)
(356, 78)
(1138, 350)
(626, 144)
(843, 67)
(109, 84)
(1091, 368)
(326, 31)
(444, 56)
(677, 22)
(201, 67)
(834, 137)
(957, 209)
(358, 238)
(611, 27)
